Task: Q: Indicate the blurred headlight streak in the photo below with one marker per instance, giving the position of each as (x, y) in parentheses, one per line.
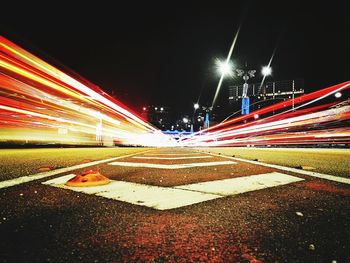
(40, 103)
(315, 118)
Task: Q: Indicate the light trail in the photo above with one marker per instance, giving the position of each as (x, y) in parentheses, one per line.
(40, 103)
(306, 120)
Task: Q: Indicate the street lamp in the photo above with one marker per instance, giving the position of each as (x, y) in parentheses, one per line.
(266, 71)
(196, 106)
(246, 74)
(224, 67)
(185, 120)
(337, 95)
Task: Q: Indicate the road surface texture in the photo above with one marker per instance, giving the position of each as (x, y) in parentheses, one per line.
(171, 205)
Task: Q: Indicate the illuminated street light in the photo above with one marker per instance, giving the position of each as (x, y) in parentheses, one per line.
(185, 120)
(161, 109)
(224, 67)
(266, 71)
(196, 106)
(337, 95)
(144, 108)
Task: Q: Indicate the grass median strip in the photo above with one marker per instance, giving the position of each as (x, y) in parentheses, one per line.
(29, 178)
(294, 170)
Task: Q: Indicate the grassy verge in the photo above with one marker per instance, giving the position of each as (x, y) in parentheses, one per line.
(329, 161)
(19, 162)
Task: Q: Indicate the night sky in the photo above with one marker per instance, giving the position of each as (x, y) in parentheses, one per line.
(163, 53)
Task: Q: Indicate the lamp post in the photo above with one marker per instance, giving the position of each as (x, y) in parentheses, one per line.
(196, 107)
(246, 74)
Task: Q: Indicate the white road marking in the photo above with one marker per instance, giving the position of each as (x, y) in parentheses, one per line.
(289, 169)
(33, 177)
(171, 154)
(171, 166)
(171, 158)
(161, 198)
(241, 184)
(318, 150)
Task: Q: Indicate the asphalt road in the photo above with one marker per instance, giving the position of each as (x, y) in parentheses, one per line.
(173, 205)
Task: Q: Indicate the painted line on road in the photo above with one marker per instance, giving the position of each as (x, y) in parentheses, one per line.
(170, 154)
(33, 177)
(164, 198)
(289, 169)
(171, 166)
(172, 158)
(240, 185)
(160, 198)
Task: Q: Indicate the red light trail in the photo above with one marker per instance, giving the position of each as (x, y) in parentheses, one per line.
(40, 103)
(304, 120)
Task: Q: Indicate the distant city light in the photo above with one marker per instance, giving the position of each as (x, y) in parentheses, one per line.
(144, 108)
(196, 106)
(155, 108)
(266, 71)
(161, 109)
(185, 120)
(337, 95)
(224, 68)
